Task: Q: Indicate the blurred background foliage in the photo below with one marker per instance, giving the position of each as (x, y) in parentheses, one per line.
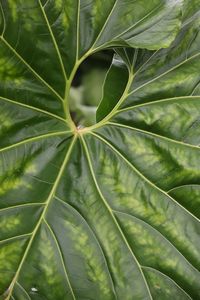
(87, 88)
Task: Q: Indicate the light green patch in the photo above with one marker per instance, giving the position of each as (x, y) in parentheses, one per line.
(49, 272)
(9, 223)
(6, 121)
(99, 14)
(65, 15)
(10, 256)
(14, 178)
(30, 168)
(9, 71)
(58, 4)
(148, 242)
(13, 7)
(94, 267)
(65, 21)
(31, 20)
(11, 184)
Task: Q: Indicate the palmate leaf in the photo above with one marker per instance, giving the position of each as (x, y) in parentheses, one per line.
(110, 211)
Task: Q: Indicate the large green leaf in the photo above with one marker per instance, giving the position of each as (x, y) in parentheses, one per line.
(109, 211)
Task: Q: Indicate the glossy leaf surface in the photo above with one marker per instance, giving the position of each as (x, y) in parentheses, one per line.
(109, 211)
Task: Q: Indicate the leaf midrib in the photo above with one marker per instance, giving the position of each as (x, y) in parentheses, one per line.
(155, 135)
(150, 182)
(95, 237)
(53, 39)
(31, 69)
(164, 73)
(18, 103)
(142, 175)
(49, 199)
(160, 234)
(34, 139)
(112, 215)
(61, 257)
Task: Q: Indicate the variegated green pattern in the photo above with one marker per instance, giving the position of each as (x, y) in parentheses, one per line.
(111, 211)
